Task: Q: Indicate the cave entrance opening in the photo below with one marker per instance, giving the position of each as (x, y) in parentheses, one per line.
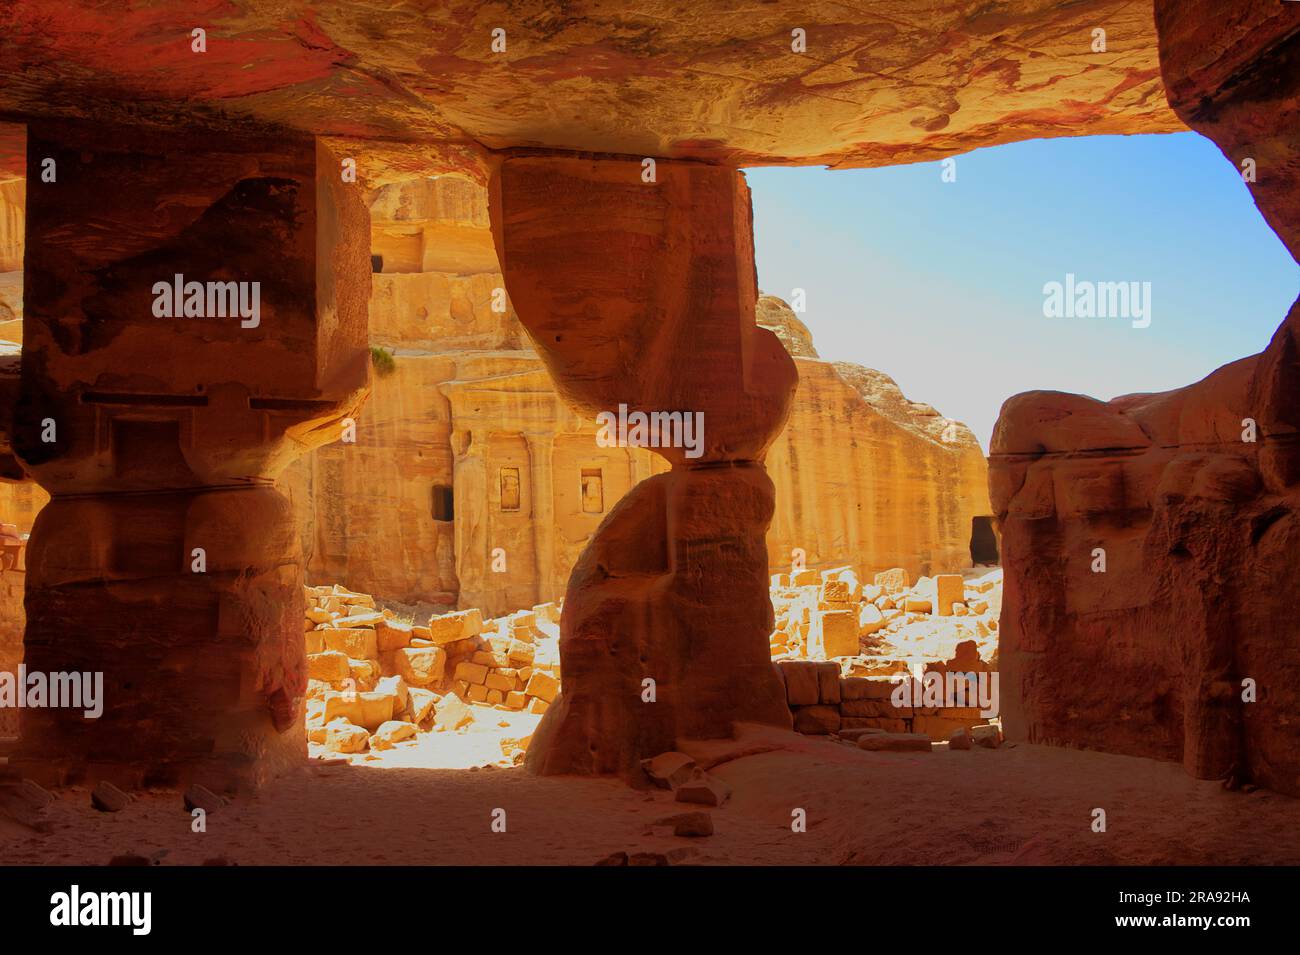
(983, 541)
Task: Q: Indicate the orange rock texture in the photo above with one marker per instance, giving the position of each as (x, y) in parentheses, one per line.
(906, 482)
(1148, 539)
(655, 312)
(159, 440)
(732, 82)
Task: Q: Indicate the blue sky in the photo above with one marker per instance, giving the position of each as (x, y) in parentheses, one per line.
(940, 284)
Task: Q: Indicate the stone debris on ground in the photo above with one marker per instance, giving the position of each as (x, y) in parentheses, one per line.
(380, 683)
(842, 647)
(108, 798)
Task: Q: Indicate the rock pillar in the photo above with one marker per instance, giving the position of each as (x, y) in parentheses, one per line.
(195, 319)
(1150, 542)
(641, 294)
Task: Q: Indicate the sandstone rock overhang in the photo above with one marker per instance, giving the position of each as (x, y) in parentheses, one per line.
(876, 84)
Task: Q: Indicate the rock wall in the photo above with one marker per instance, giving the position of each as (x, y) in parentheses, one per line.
(1151, 541)
(866, 477)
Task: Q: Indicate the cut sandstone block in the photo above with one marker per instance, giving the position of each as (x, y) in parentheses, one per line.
(865, 688)
(855, 733)
(342, 736)
(368, 709)
(876, 709)
(802, 685)
(835, 592)
(543, 686)
(547, 611)
(828, 682)
(915, 603)
(834, 633)
(393, 635)
(938, 727)
(364, 618)
(451, 713)
(692, 825)
(817, 720)
(330, 666)
(450, 627)
(948, 589)
(359, 644)
(461, 647)
(364, 673)
(419, 704)
(470, 672)
(421, 666)
(893, 580)
(391, 733)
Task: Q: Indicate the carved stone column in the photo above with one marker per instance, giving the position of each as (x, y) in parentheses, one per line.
(166, 560)
(642, 294)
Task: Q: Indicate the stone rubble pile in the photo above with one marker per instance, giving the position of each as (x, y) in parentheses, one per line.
(377, 681)
(842, 647)
(829, 614)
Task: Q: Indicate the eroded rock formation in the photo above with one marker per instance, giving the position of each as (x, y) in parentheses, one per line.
(1182, 644)
(166, 560)
(643, 295)
(731, 82)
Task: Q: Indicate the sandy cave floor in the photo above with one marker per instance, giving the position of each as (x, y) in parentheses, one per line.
(1022, 804)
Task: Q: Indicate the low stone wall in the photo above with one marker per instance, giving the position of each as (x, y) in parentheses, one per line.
(824, 703)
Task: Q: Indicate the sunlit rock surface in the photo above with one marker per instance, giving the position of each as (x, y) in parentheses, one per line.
(876, 84)
(1150, 541)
